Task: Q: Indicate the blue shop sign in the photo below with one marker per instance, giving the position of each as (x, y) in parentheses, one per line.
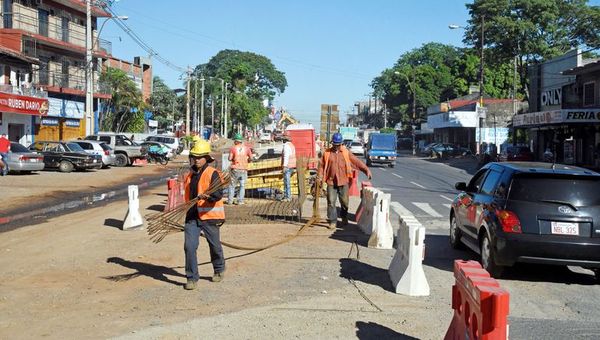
(72, 122)
(65, 108)
(49, 121)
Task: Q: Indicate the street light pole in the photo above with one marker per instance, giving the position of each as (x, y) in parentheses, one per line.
(202, 108)
(225, 132)
(187, 106)
(89, 95)
(222, 105)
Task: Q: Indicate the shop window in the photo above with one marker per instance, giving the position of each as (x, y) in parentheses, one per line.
(589, 91)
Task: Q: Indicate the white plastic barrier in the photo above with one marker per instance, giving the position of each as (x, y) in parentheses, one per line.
(375, 218)
(133, 218)
(406, 269)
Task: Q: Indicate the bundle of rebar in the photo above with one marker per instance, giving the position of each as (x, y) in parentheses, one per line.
(160, 225)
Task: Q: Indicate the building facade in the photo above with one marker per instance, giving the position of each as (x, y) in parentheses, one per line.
(565, 115)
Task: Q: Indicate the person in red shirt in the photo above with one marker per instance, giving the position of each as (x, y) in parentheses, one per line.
(4, 149)
(335, 169)
(239, 156)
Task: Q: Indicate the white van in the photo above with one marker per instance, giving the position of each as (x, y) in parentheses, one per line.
(170, 141)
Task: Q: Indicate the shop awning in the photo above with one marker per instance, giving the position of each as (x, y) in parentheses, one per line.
(564, 116)
(14, 103)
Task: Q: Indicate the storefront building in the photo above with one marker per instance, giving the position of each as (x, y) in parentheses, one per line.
(565, 92)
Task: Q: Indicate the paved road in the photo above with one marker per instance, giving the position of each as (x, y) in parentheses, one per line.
(547, 302)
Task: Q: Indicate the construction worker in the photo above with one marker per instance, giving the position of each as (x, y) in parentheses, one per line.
(206, 217)
(288, 163)
(335, 169)
(239, 156)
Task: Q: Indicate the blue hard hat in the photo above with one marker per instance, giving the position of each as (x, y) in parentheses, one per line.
(337, 138)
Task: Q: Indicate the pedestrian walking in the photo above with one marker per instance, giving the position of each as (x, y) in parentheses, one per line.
(206, 217)
(239, 156)
(335, 169)
(288, 164)
(4, 150)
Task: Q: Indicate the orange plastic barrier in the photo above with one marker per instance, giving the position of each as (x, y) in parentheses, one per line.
(353, 188)
(140, 161)
(359, 210)
(175, 194)
(480, 305)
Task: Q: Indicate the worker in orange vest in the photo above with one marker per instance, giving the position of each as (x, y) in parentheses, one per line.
(288, 163)
(239, 156)
(205, 217)
(335, 169)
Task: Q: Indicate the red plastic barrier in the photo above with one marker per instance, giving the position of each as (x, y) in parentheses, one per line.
(353, 188)
(175, 194)
(480, 305)
(140, 161)
(359, 210)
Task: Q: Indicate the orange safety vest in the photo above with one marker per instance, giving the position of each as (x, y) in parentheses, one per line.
(206, 210)
(239, 157)
(346, 156)
(292, 158)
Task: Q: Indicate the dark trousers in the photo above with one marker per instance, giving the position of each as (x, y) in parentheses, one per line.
(192, 239)
(333, 192)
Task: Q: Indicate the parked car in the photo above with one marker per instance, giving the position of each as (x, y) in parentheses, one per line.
(20, 159)
(426, 151)
(170, 141)
(381, 148)
(126, 150)
(515, 153)
(99, 148)
(445, 150)
(265, 137)
(529, 212)
(357, 148)
(66, 156)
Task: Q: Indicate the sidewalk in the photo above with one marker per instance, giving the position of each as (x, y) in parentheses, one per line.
(79, 276)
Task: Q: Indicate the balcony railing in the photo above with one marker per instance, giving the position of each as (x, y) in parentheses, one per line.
(24, 90)
(45, 28)
(55, 79)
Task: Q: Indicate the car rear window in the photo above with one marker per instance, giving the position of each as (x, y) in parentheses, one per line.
(105, 147)
(578, 191)
(74, 147)
(356, 144)
(16, 147)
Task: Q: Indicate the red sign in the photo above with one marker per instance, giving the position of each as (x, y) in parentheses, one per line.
(23, 104)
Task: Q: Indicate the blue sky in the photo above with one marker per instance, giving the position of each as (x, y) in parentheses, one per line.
(330, 50)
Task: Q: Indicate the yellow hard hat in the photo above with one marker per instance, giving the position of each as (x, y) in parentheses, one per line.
(201, 148)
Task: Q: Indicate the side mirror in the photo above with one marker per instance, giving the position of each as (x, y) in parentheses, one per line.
(462, 186)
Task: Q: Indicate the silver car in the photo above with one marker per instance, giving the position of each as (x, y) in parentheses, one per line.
(98, 148)
(21, 159)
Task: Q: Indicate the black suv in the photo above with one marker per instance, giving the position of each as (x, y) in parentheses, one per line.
(529, 212)
(66, 156)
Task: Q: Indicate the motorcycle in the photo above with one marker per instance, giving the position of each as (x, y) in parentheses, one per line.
(155, 157)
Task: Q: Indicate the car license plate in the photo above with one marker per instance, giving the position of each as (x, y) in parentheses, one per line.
(33, 160)
(565, 228)
(382, 157)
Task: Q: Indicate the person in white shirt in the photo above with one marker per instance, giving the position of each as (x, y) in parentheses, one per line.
(288, 164)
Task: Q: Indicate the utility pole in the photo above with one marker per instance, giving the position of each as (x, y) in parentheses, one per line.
(202, 108)
(212, 112)
(89, 93)
(222, 105)
(414, 111)
(195, 124)
(187, 106)
(225, 132)
(480, 119)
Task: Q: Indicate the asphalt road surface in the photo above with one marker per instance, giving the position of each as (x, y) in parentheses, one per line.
(546, 302)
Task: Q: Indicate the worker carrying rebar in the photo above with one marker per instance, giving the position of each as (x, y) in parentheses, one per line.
(239, 156)
(206, 217)
(288, 164)
(335, 169)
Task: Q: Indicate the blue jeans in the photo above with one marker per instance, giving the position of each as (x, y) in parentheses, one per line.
(237, 176)
(5, 162)
(192, 239)
(287, 185)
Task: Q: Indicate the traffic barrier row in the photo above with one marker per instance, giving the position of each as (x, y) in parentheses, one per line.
(480, 304)
(175, 194)
(133, 219)
(374, 218)
(406, 268)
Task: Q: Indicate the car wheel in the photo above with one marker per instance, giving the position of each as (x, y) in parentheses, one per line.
(455, 234)
(488, 257)
(121, 160)
(65, 166)
(392, 165)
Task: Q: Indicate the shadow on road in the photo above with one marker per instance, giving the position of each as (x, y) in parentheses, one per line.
(350, 233)
(359, 271)
(113, 222)
(143, 269)
(468, 164)
(156, 207)
(374, 331)
(439, 254)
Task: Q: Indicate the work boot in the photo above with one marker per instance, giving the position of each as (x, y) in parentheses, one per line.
(218, 277)
(190, 285)
(331, 225)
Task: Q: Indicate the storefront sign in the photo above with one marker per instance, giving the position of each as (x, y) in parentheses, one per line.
(552, 97)
(497, 136)
(49, 121)
(452, 119)
(22, 104)
(557, 117)
(66, 108)
(72, 122)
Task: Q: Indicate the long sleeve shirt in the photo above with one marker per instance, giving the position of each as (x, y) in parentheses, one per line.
(336, 172)
(287, 151)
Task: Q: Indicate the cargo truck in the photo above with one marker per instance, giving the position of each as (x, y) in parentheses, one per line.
(381, 149)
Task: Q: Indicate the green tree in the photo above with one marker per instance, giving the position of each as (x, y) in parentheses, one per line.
(124, 111)
(253, 78)
(166, 106)
(531, 30)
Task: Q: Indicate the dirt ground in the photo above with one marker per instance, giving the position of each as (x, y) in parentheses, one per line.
(80, 276)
